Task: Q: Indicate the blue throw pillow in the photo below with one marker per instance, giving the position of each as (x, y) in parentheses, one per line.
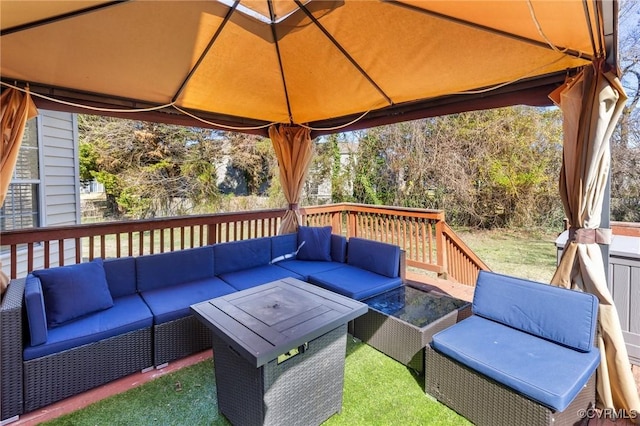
(317, 243)
(74, 291)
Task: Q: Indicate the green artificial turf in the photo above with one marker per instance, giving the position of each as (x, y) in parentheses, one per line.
(377, 391)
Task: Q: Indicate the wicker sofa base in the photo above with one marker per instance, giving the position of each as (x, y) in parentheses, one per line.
(11, 351)
(54, 377)
(486, 402)
(303, 390)
(179, 338)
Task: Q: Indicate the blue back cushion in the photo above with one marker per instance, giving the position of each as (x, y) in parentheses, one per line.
(238, 255)
(176, 267)
(283, 244)
(338, 248)
(288, 243)
(317, 243)
(74, 290)
(121, 276)
(374, 256)
(36, 315)
(567, 317)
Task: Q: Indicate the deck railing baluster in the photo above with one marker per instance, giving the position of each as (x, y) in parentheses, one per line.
(428, 241)
(102, 247)
(47, 254)
(91, 247)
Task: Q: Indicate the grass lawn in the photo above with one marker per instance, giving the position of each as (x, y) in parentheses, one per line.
(377, 391)
(525, 254)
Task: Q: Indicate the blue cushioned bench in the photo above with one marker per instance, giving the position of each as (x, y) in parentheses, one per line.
(372, 268)
(247, 263)
(97, 328)
(524, 339)
(169, 283)
(286, 245)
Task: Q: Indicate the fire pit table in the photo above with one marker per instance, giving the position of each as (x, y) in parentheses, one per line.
(401, 322)
(279, 352)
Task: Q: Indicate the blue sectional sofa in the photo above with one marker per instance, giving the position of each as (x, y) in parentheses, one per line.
(71, 328)
(525, 356)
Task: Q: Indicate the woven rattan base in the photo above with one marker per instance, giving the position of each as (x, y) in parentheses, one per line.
(11, 350)
(51, 378)
(179, 338)
(303, 390)
(400, 340)
(486, 402)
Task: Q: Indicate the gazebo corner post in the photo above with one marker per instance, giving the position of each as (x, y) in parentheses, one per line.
(592, 103)
(294, 151)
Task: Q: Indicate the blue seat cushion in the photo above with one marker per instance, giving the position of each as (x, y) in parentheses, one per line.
(170, 303)
(128, 313)
(354, 282)
(247, 278)
(73, 291)
(317, 243)
(305, 268)
(239, 255)
(176, 267)
(567, 317)
(543, 371)
(36, 314)
(374, 256)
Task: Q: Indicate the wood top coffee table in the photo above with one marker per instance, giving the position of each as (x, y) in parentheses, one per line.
(279, 351)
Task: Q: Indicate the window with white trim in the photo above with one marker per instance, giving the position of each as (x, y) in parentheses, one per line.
(21, 207)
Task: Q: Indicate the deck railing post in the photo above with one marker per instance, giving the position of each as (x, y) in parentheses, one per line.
(336, 222)
(352, 223)
(441, 256)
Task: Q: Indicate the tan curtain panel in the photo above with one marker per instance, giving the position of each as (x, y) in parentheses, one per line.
(592, 104)
(16, 109)
(294, 152)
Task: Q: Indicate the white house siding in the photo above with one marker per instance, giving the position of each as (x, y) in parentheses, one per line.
(60, 184)
(60, 175)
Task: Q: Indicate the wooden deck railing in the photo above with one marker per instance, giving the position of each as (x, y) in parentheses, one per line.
(628, 229)
(37, 248)
(415, 230)
(461, 262)
(428, 242)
